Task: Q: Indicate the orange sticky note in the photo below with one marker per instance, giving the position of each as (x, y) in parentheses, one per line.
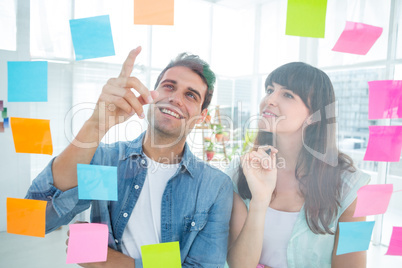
(31, 135)
(154, 12)
(26, 217)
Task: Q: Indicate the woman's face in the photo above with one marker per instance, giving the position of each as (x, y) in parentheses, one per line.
(282, 111)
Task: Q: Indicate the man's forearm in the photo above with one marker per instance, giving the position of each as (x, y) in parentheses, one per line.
(80, 151)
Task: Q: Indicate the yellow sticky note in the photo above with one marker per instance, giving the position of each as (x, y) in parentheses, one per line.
(165, 255)
(32, 135)
(26, 217)
(306, 18)
(154, 12)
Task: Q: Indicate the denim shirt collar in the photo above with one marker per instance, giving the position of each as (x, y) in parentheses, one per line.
(188, 162)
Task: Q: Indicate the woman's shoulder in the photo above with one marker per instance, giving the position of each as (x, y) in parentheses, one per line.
(351, 178)
(233, 168)
(352, 181)
(233, 172)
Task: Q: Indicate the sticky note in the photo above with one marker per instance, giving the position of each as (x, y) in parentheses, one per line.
(373, 199)
(1, 127)
(357, 38)
(306, 18)
(354, 236)
(92, 37)
(88, 242)
(27, 81)
(154, 12)
(6, 122)
(31, 135)
(4, 113)
(97, 182)
(384, 144)
(385, 99)
(26, 217)
(165, 255)
(395, 245)
(1, 105)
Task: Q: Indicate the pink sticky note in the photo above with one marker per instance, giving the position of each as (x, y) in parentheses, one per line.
(357, 38)
(385, 99)
(88, 242)
(395, 245)
(373, 199)
(385, 144)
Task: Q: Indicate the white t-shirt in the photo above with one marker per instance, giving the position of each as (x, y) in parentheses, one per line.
(277, 232)
(144, 225)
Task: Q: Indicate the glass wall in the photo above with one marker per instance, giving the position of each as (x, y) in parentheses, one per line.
(8, 15)
(243, 43)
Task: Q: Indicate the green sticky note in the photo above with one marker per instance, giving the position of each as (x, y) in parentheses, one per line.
(306, 18)
(166, 255)
(4, 113)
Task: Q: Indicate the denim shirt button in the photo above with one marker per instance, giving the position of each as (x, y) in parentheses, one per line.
(143, 162)
(193, 224)
(136, 187)
(125, 215)
(117, 241)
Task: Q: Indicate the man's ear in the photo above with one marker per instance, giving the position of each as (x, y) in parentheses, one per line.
(202, 116)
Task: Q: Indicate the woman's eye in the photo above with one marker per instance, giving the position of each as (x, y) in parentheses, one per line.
(269, 90)
(290, 96)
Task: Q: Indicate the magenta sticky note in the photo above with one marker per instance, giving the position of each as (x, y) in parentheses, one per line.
(373, 199)
(395, 245)
(384, 144)
(385, 99)
(88, 242)
(357, 38)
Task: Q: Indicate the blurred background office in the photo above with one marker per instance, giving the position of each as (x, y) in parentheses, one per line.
(243, 40)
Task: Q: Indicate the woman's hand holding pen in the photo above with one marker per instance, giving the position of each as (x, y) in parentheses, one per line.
(260, 170)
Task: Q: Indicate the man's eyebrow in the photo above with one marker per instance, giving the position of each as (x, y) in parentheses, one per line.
(169, 81)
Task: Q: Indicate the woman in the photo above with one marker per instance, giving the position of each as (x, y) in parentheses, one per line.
(287, 215)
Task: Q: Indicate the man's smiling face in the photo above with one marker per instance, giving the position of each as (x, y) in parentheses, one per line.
(178, 107)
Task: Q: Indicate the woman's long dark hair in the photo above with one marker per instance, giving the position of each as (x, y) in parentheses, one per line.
(320, 163)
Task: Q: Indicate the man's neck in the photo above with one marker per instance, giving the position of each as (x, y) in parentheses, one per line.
(163, 150)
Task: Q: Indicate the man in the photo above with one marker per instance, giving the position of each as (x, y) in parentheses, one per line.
(164, 192)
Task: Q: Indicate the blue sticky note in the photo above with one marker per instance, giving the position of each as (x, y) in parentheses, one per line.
(92, 37)
(6, 122)
(97, 182)
(27, 81)
(354, 236)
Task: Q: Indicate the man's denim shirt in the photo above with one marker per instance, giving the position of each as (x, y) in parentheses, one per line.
(196, 204)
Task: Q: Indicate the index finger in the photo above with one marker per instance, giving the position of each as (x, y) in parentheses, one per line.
(267, 149)
(129, 62)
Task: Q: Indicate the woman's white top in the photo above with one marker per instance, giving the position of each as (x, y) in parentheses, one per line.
(277, 232)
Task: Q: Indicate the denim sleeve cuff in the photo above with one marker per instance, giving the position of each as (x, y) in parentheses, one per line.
(42, 188)
(64, 202)
(138, 263)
